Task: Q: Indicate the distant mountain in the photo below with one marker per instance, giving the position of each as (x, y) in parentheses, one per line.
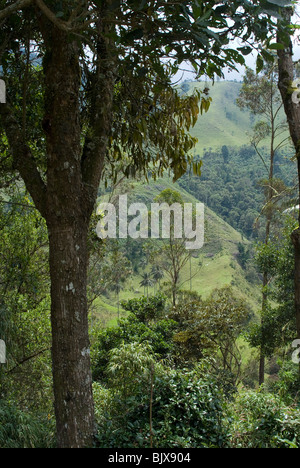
(224, 123)
(232, 170)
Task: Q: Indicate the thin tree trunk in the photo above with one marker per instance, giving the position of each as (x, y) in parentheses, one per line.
(191, 285)
(151, 405)
(296, 242)
(261, 377)
(292, 110)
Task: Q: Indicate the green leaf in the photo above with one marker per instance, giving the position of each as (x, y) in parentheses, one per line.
(259, 64)
(276, 46)
(268, 56)
(281, 3)
(245, 50)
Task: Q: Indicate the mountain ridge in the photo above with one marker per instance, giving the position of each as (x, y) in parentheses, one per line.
(210, 129)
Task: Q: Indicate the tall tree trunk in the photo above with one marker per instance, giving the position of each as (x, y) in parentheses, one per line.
(67, 217)
(66, 201)
(70, 340)
(292, 110)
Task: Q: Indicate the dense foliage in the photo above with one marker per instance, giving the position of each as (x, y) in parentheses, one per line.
(186, 411)
(142, 400)
(24, 304)
(157, 333)
(23, 430)
(261, 420)
(231, 187)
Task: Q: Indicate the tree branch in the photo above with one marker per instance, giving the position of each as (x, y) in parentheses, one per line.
(24, 205)
(23, 159)
(52, 17)
(67, 26)
(14, 7)
(95, 147)
(28, 358)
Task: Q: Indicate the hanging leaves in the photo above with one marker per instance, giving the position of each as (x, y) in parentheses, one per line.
(149, 41)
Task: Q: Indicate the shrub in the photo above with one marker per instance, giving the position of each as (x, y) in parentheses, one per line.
(22, 430)
(187, 412)
(157, 334)
(288, 383)
(261, 420)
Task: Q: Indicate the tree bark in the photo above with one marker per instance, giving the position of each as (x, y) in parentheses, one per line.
(70, 339)
(73, 177)
(292, 110)
(67, 219)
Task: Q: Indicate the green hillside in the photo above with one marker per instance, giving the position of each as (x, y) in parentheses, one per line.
(230, 192)
(224, 123)
(215, 266)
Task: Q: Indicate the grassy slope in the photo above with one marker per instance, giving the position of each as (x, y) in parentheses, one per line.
(215, 267)
(224, 123)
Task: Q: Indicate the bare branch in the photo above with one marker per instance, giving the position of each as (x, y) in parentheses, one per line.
(28, 358)
(14, 7)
